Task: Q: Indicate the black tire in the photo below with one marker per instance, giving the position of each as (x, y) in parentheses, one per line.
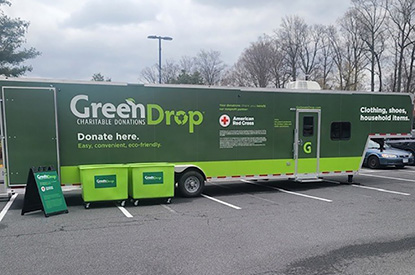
(400, 166)
(373, 162)
(191, 184)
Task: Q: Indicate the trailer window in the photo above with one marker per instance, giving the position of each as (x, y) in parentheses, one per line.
(340, 131)
(308, 126)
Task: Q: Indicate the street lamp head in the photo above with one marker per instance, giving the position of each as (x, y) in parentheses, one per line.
(159, 37)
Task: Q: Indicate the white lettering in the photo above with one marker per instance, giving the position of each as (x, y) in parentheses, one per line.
(74, 111)
(123, 110)
(108, 110)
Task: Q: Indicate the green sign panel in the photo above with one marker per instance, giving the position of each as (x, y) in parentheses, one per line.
(44, 192)
(107, 181)
(50, 192)
(153, 178)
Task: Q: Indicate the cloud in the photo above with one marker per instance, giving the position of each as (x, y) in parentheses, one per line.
(98, 13)
(235, 3)
(78, 38)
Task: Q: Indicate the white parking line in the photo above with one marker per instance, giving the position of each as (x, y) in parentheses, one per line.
(7, 207)
(125, 211)
(371, 188)
(289, 192)
(168, 208)
(247, 194)
(222, 202)
(389, 178)
(407, 170)
(381, 190)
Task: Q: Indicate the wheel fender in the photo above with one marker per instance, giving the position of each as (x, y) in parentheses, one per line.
(179, 169)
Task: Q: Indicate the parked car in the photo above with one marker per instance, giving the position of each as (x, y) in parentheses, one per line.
(376, 156)
(404, 144)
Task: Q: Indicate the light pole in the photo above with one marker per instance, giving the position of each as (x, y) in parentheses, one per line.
(159, 38)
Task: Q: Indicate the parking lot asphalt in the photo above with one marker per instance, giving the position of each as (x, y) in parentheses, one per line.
(244, 227)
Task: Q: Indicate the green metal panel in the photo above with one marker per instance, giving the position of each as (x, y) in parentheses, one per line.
(30, 130)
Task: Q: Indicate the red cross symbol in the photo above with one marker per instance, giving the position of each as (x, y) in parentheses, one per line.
(224, 120)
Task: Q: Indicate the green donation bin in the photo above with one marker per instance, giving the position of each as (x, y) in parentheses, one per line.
(105, 182)
(150, 181)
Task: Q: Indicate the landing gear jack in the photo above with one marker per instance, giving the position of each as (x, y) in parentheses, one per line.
(350, 180)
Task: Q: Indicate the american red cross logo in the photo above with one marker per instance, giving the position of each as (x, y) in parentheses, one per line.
(224, 120)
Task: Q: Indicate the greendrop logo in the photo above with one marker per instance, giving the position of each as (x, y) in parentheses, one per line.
(153, 178)
(105, 181)
(46, 177)
(307, 147)
(153, 114)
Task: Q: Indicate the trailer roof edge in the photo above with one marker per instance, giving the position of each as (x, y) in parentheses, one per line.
(242, 89)
(271, 90)
(43, 80)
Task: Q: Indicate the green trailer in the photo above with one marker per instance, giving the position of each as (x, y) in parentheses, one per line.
(213, 134)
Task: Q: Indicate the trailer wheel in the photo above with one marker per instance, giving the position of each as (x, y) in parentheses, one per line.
(191, 184)
(373, 162)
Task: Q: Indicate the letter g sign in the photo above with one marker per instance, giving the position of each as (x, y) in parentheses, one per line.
(307, 147)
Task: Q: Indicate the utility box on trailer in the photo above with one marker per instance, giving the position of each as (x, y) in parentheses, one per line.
(207, 133)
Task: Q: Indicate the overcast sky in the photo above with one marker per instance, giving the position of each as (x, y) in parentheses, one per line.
(78, 38)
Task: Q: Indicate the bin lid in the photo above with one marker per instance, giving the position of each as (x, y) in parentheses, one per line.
(101, 166)
(150, 164)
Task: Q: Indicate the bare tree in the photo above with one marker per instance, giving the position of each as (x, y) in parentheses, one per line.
(188, 64)
(150, 74)
(291, 36)
(310, 47)
(279, 73)
(371, 17)
(401, 29)
(348, 52)
(256, 60)
(100, 77)
(210, 66)
(237, 76)
(325, 59)
(170, 71)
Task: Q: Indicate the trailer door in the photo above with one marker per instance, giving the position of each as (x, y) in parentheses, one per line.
(30, 130)
(307, 142)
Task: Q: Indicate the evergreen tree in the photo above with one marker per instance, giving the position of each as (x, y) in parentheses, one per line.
(12, 38)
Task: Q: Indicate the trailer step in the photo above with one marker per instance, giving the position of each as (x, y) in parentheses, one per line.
(307, 180)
